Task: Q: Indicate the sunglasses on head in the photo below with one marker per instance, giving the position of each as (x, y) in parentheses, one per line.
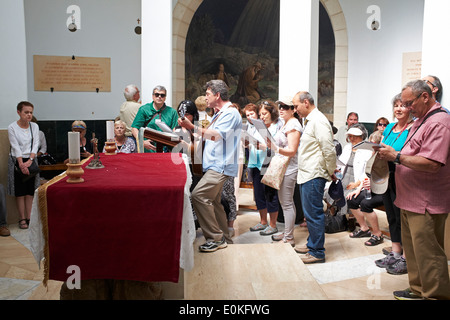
(162, 95)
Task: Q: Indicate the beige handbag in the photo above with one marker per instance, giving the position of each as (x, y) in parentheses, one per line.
(275, 172)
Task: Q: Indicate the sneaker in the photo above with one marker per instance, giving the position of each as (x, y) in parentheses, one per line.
(398, 267)
(278, 237)
(308, 259)
(387, 250)
(211, 246)
(387, 261)
(301, 249)
(268, 231)
(406, 295)
(259, 227)
(4, 231)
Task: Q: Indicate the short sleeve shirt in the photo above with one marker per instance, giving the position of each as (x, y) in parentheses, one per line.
(222, 155)
(282, 141)
(169, 116)
(423, 191)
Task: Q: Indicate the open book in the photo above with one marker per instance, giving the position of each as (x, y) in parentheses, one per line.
(366, 145)
(163, 126)
(163, 135)
(263, 130)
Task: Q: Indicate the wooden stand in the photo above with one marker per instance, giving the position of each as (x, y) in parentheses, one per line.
(162, 138)
(110, 148)
(74, 172)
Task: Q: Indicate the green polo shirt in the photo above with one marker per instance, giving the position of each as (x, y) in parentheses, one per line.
(169, 116)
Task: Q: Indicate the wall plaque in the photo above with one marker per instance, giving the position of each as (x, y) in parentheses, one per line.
(80, 74)
(412, 67)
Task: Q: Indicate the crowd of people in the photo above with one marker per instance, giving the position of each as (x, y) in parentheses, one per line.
(406, 157)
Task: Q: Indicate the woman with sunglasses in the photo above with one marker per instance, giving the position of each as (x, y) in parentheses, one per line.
(395, 136)
(381, 124)
(288, 140)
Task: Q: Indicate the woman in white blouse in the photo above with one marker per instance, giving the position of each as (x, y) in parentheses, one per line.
(24, 139)
(288, 140)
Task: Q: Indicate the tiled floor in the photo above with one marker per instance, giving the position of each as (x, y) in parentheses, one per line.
(252, 268)
(255, 268)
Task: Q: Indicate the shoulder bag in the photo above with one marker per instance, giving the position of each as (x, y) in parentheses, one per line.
(275, 172)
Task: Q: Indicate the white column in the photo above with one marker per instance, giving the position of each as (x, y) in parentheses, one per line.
(13, 60)
(156, 48)
(435, 43)
(299, 46)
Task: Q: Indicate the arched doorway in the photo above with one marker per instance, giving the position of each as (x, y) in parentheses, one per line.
(182, 17)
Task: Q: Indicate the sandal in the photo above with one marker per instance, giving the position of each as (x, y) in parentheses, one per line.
(360, 234)
(23, 224)
(374, 240)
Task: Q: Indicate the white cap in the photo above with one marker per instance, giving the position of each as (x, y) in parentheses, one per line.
(354, 132)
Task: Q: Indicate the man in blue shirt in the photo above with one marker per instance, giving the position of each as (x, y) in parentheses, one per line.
(220, 161)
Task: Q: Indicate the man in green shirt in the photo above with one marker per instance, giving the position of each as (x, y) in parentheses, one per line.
(148, 113)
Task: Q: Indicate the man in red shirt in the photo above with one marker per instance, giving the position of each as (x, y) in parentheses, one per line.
(423, 193)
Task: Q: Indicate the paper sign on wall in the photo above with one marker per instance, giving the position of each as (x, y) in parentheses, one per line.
(412, 67)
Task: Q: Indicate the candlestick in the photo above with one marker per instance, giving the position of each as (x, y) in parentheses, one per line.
(74, 147)
(75, 173)
(110, 130)
(110, 148)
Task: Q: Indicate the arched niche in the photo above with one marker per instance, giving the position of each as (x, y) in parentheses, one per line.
(184, 10)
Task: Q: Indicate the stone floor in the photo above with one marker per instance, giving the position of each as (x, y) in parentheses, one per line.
(253, 268)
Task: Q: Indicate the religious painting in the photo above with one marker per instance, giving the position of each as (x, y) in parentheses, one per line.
(236, 41)
(327, 51)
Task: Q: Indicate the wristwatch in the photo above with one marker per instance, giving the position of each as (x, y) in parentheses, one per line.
(32, 159)
(397, 159)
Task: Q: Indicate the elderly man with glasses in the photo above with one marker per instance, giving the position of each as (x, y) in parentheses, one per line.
(436, 87)
(150, 112)
(422, 178)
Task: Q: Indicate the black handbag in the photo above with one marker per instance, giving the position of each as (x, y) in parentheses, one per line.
(335, 223)
(33, 169)
(46, 159)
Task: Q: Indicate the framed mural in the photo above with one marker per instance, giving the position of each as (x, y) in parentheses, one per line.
(238, 41)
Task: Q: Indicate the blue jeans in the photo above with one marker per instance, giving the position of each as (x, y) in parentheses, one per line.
(311, 193)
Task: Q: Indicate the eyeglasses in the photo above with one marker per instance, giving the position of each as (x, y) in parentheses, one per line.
(285, 107)
(432, 84)
(382, 124)
(162, 95)
(410, 103)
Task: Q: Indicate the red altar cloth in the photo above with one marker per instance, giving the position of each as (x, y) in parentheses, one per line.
(124, 222)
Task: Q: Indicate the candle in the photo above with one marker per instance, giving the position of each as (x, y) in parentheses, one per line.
(110, 130)
(74, 147)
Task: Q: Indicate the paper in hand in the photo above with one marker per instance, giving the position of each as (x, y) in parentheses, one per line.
(164, 127)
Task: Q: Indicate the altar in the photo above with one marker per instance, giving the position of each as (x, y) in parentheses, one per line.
(131, 220)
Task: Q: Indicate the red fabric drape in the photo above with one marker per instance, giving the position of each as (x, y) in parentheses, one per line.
(123, 222)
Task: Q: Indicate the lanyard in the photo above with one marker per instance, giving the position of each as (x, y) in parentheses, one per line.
(426, 118)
